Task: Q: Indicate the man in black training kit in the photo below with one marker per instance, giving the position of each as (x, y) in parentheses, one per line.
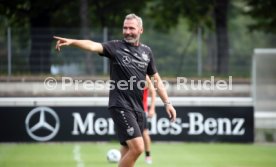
(130, 61)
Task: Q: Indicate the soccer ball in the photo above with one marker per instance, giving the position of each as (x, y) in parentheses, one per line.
(113, 155)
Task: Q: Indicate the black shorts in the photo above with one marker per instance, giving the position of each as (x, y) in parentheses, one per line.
(129, 124)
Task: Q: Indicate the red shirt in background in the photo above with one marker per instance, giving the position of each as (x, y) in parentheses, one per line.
(145, 99)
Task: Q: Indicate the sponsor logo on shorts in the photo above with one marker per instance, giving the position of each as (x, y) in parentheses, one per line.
(130, 131)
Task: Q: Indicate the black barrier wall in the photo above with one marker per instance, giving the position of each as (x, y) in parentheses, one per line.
(201, 124)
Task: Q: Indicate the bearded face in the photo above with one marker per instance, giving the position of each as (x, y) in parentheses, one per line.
(132, 31)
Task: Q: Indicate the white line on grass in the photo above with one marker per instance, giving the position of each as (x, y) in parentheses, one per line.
(77, 156)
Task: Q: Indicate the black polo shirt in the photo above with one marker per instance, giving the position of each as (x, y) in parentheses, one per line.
(128, 68)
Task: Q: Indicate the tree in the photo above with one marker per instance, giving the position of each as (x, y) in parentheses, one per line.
(85, 24)
(42, 15)
(38, 15)
(209, 14)
(220, 12)
(263, 13)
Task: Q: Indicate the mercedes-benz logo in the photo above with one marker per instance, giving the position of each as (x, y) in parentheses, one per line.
(126, 60)
(42, 123)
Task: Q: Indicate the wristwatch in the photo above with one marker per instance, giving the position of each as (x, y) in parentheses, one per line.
(167, 103)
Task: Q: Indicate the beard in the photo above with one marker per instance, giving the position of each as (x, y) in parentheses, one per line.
(131, 39)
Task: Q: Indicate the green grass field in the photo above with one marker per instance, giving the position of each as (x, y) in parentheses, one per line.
(164, 155)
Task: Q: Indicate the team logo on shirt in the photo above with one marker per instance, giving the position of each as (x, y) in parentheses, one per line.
(126, 60)
(145, 56)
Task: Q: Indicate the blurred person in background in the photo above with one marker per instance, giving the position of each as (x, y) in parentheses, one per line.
(149, 113)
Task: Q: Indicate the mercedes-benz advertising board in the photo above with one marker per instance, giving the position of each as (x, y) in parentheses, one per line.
(93, 123)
